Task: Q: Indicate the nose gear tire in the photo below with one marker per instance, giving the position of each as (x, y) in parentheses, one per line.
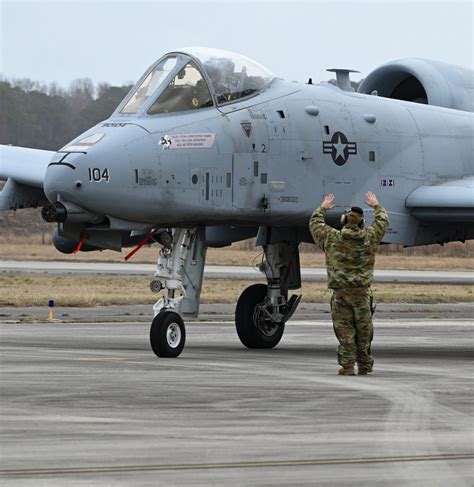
(167, 334)
(254, 329)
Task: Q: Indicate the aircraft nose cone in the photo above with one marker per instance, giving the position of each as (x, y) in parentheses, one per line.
(62, 179)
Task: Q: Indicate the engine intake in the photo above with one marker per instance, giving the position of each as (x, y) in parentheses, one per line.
(423, 81)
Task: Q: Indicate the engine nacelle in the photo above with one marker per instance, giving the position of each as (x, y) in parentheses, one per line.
(423, 81)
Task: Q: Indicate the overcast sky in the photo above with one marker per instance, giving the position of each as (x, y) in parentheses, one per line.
(116, 41)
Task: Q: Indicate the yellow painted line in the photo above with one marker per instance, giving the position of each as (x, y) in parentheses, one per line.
(216, 466)
(100, 359)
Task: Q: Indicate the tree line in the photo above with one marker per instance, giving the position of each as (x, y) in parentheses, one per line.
(40, 116)
(46, 116)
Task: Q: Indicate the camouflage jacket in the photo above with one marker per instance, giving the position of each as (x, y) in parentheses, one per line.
(350, 252)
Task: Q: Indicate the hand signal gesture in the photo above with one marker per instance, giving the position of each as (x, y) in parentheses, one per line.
(327, 202)
(371, 199)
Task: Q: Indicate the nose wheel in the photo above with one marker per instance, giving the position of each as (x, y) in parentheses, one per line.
(167, 334)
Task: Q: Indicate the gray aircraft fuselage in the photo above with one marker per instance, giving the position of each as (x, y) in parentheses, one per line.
(268, 161)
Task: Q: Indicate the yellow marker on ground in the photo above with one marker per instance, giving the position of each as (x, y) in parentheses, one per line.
(51, 308)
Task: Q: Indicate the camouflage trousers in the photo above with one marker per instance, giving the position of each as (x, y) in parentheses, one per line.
(352, 319)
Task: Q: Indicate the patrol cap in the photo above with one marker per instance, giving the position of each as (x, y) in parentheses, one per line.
(356, 209)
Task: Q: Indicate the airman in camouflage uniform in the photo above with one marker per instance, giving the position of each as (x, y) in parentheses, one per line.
(350, 256)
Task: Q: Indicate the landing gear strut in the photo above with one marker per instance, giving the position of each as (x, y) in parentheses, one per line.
(167, 332)
(262, 310)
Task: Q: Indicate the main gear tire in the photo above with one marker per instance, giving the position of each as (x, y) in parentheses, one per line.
(253, 327)
(167, 334)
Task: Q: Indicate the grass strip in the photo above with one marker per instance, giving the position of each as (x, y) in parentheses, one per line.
(20, 290)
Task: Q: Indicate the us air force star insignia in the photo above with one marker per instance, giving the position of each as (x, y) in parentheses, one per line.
(339, 148)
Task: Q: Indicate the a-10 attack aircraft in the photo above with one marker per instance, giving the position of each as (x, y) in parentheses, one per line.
(210, 148)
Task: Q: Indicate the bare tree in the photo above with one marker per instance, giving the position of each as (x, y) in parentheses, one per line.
(55, 90)
(25, 84)
(102, 89)
(81, 93)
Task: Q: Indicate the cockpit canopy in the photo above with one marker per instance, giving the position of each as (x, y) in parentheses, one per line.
(195, 78)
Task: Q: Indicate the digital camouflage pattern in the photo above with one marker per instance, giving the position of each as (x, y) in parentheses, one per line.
(350, 252)
(350, 258)
(352, 320)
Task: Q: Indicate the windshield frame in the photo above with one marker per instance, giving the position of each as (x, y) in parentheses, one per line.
(187, 59)
(182, 58)
(180, 63)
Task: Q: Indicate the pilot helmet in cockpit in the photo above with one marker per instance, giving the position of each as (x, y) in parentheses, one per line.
(222, 76)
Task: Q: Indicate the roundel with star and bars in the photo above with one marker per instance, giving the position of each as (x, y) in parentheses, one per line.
(339, 148)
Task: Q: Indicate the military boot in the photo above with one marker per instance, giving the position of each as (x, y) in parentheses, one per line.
(346, 370)
(364, 370)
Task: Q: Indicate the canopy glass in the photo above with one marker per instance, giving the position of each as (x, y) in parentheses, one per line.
(195, 78)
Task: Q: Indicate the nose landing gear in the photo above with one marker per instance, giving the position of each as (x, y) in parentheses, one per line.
(167, 334)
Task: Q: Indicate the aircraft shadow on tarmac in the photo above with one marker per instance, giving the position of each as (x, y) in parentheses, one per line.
(412, 350)
(329, 351)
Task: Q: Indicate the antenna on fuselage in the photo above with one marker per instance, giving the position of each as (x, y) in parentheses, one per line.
(343, 80)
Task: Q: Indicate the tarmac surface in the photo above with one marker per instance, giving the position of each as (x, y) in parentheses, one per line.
(89, 404)
(226, 272)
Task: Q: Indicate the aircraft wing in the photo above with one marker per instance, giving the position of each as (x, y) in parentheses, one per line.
(452, 201)
(23, 170)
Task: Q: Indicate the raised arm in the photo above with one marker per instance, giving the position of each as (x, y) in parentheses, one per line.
(379, 226)
(317, 226)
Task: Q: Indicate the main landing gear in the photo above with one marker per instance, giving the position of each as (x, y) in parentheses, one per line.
(254, 325)
(262, 309)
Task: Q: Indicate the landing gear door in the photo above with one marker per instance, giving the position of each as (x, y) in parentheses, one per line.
(192, 274)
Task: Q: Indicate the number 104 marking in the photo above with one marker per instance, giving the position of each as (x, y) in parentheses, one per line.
(96, 174)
